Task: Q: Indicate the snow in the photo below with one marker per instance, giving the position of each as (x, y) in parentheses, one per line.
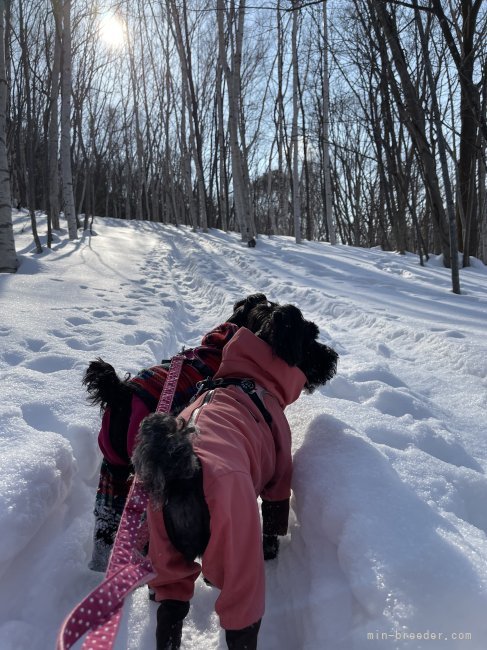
(387, 545)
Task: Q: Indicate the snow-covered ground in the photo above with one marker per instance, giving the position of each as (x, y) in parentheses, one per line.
(389, 522)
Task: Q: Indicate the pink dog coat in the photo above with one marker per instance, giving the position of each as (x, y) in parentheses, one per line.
(242, 458)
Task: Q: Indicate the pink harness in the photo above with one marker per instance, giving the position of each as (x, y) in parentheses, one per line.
(99, 614)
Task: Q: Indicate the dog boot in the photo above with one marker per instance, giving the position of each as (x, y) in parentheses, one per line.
(245, 639)
(170, 616)
(270, 546)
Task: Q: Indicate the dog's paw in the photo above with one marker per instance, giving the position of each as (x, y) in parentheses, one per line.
(270, 545)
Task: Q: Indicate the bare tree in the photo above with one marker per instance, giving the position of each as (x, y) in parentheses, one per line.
(326, 134)
(66, 171)
(234, 33)
(30, 163)
(8, 257)
(442, 151)
(180, 32)
(412, 113)
(53, 150)
(294, 132)
(464, 52)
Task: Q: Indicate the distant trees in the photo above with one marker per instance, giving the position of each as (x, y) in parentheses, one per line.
(416, 73)
(214, 114)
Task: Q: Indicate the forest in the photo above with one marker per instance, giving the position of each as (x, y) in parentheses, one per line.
(362, 122)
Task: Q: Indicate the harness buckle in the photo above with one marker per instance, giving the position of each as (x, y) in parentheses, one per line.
(247, 385)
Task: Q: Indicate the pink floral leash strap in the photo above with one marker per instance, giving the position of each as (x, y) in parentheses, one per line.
(99, 614)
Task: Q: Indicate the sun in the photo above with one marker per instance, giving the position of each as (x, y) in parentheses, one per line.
(113, 31)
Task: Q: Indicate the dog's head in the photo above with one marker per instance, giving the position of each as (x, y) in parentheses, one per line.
(294, 340)
(242, 308)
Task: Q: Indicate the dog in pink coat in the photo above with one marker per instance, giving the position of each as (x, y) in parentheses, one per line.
(205, 470)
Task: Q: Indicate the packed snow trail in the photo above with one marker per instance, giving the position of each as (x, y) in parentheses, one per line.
(388, 532)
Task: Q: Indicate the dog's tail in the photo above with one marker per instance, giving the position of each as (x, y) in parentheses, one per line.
(170, 471)
(103, 384)
(163, 454)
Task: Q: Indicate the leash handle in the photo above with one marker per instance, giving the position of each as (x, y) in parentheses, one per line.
(99, 614)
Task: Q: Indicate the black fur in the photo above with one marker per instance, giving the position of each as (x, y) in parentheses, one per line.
(164, 458)
(164, 443)
(284, 329)
(170, 471)
(242, 308)
(104, 386)
(319, 364)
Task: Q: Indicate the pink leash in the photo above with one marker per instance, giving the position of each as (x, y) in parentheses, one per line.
(99, 614)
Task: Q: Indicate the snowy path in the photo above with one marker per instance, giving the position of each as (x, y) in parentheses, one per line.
(389, 527)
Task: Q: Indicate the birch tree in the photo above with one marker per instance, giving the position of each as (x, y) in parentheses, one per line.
(180, 32)
(326, 131)
(294, 132)
(66, 170)
(30, 130)
(8, 258)
(235, 21)
(53, 147)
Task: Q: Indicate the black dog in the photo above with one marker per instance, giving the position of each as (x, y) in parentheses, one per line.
(125, 402)
(173, 460)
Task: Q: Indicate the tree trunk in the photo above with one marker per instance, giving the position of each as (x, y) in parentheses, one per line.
(294, 132)
(483, 205)
(66, 172)
(186, 161)
(233, 79)
(8, 257)
(326, 127)
(53, 144)
(450, 204)
(30, 131)
(195, 143)
(472, 119)
(270, 197)
(221, 149)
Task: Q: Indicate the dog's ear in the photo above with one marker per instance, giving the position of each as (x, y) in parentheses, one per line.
(319, 364)
(242, 308)
(286, 331)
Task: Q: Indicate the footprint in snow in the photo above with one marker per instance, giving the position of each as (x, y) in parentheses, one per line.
(454, 334)
(77, 320)
(383, 350)
(378, 374)
(399, 402)
(35, 345)
(60, 334)
(101, 313)
(139, 296)
(41, 417)
(13, 358)
(137, 338)
(77, 344)
(51, 363)
(364, 384)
